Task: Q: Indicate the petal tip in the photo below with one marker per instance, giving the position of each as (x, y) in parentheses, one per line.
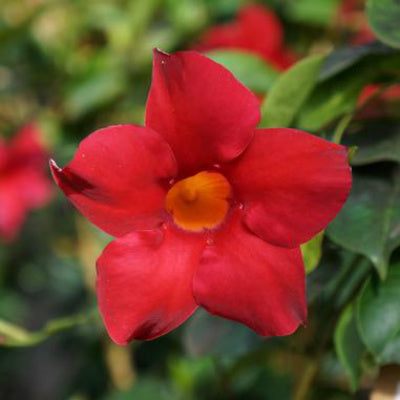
(53, 164)
(159, 54)
(56, 171)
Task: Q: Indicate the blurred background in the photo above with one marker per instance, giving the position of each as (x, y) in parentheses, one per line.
(68, 67)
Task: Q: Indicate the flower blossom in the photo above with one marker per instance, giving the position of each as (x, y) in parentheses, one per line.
(257, 30)
(207, 210)
(24, 184)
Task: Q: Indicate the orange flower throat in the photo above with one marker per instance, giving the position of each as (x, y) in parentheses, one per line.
(200, 201)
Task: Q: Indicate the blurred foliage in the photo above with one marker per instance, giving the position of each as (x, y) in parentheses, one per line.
(384, 17)
(78, 65)
(290, 92)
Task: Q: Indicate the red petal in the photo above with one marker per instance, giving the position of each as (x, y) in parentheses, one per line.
(263, 34)
(144, 283)
(292, 184)
(203, 112)
(262, 30)
(25, 167)
(12, 212)
(241, 277)
(114, 178)
(23, 183)
(283, 59)
(32, 184)
(227, 35)
(257, 29)
(26, 148)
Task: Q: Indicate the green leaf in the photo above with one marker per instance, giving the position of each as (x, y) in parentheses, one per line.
(378, 316)
(391, 352)
(223, 8)
(330, 100)
(376, 142)
(384, 17)
(369, 221)
(349, 347)
(314, 12)
(312, 252)
(187, 16)
(352, 150)
(289, 93)
(95, 91)
(251, 70)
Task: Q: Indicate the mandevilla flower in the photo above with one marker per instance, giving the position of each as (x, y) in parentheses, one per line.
(24, 184)
(257, 30)
(207, 210)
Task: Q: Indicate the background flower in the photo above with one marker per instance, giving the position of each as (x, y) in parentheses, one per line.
(256, 29)
(24, 184)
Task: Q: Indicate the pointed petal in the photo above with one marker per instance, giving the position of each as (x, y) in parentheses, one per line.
(115, 178)
(291, 183)
(203, 112)
(144, 283)
(243, 278)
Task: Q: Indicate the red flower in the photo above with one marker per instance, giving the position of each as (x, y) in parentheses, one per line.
(24, 184)
(207, 210)
(258, 30)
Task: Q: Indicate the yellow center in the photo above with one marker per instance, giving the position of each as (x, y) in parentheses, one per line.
(200, 201)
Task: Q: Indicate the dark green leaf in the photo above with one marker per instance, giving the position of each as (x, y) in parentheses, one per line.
(378, 316)
(251, 70)
(370, 220)
(346, 57)
(376, 142)
(289, 93)
(209, 335)
(391, 352)
(145, 389)
(330, 100)
(349, 347)
(384, 17)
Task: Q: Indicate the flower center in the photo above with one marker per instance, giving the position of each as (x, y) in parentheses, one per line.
(200, 201)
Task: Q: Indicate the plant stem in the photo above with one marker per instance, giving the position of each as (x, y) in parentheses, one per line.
(341, 128)
(306, 381)
(12, 335)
